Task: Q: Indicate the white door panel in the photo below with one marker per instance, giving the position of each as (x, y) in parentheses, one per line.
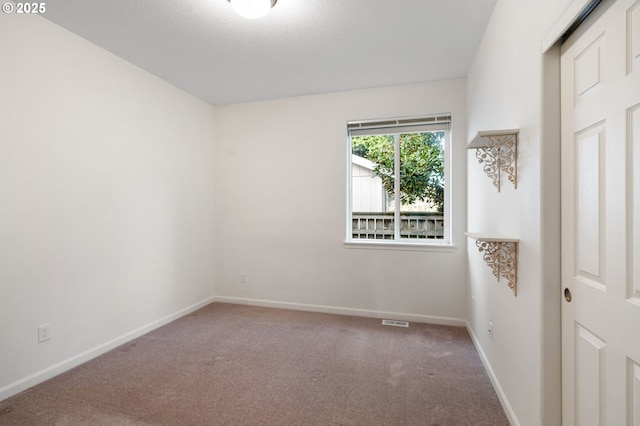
(600, 70)
(634, 390)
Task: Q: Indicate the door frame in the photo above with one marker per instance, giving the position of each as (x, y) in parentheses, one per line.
(551, 392)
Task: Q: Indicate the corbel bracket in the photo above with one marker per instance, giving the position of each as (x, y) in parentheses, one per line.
(501, 254)
(497, 152)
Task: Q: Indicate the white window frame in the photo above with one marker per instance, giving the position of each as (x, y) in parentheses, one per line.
(430, 123)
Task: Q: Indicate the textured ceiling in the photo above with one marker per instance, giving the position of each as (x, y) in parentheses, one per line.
(302, 46)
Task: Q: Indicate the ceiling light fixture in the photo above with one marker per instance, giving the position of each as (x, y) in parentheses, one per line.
(252, 9)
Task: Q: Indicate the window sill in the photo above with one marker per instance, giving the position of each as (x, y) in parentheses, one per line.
(399, 245)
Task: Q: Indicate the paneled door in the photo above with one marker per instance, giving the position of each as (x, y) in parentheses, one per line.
(600, 80)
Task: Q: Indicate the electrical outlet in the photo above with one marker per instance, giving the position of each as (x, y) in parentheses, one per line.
(44, 333)
(473, 303)
(491, 330)
(243, 278)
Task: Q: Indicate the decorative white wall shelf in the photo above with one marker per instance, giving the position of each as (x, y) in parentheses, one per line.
(497, 152)
(501, 254)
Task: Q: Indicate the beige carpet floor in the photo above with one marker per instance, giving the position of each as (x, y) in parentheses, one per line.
(240, 365)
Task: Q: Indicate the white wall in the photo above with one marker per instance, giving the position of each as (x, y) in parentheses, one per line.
(284, 224)
(106, 189)
(511, 85)
(367, 193)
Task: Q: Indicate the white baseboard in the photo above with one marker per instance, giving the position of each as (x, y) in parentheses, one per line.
(511, 415)
(59, 368)
(343, 311)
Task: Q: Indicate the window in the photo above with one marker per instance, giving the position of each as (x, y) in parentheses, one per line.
(417, 151)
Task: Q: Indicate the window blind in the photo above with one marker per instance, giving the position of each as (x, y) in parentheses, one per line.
(431, 123)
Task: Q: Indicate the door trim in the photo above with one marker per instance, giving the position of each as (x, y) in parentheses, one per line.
(577, 12)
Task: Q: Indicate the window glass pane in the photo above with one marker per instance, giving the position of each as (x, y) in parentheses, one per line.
(422, 185)
(398, 188)
(372, 183)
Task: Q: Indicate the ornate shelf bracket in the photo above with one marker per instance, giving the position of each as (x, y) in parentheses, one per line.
(497, 152)
(501, 254)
